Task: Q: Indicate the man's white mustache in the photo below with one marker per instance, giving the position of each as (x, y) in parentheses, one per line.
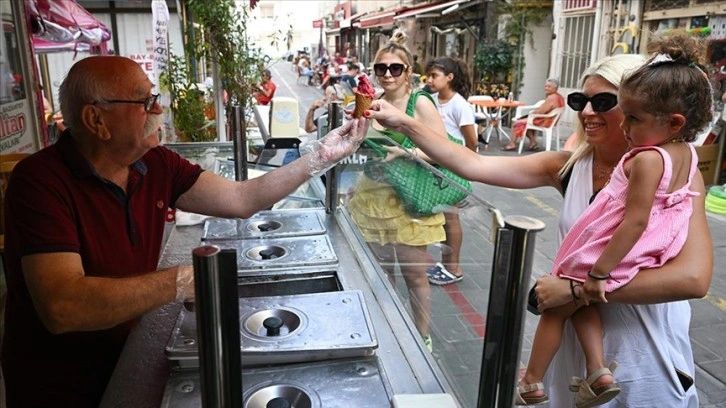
(152, 124)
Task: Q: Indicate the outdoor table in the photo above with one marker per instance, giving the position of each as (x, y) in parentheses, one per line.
(496, 111)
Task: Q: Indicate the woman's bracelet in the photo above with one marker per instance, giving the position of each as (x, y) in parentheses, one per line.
(600, 278)
(575, 298)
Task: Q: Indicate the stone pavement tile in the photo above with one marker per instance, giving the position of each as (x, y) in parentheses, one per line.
(705, 313)
(711, 391)
(702, 354)
(462, 362)
(717, 369)
(711, 337)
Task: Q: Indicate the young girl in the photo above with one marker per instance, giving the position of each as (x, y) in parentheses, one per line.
(448, 80)
(639, 220)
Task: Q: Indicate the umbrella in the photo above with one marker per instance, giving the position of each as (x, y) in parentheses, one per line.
(60, 25)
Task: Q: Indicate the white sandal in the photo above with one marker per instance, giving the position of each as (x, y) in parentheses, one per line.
(589, 397)
(521, 389)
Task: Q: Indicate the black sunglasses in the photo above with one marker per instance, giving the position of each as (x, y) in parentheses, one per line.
(395, 69)
(147, 102)
(601, 102)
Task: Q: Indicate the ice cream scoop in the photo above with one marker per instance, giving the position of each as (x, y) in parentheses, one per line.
(363, 96)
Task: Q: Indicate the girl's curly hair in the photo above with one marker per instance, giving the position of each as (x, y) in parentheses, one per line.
(671, 81)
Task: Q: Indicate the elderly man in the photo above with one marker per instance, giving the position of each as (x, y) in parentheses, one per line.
(85, 224)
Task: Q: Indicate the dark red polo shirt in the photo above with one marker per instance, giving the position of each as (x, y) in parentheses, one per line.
(56, 202)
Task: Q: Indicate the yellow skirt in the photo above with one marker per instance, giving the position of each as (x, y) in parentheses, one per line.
(382, 219)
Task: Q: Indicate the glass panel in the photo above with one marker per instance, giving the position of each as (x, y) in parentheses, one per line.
(13, 87)
(454, 316)
(218, 157)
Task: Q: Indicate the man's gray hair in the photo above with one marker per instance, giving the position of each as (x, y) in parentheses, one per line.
(554, 81)
(78, 89)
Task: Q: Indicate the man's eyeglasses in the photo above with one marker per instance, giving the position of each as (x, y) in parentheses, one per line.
(147, 102)
(601, 102)
(395, 69)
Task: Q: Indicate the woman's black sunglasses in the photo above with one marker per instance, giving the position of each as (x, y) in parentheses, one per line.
(395, 69)
(601, 102)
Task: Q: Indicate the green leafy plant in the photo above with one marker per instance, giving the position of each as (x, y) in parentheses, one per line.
(187, 105)
(494, 60)
(215, 34)
(222, 39)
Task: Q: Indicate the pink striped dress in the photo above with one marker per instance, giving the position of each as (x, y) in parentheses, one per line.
(662, 240)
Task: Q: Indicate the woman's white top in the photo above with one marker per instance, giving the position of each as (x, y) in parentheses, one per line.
(456, 112)
(649, 342)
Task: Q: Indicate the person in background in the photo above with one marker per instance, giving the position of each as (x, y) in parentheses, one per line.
(266, 89)
(650, 314)
(361, 67)
(331, 71)
(350, 51)
(376, 208)
(333, 92)
(417, 68)
(86, 219)
(552, 101)
(448, 80)
(311, 123)
(350, 80)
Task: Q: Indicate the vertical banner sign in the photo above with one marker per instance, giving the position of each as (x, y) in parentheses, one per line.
(160, 14)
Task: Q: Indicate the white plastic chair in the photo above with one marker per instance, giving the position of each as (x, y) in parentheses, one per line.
(340, 93)
(482, 113)
(526, 109)
(555, 113)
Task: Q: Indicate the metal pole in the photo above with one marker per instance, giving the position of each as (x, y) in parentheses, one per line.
(511, 273)
(218, 93)
(217, 313)
(335, 120)
(239, 142)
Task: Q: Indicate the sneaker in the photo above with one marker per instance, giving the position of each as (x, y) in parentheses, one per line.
(428, 343)
(439, 275)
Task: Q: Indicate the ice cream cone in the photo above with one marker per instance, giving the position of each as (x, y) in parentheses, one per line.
(362, 103)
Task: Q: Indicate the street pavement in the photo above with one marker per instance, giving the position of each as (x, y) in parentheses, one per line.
(461, 359)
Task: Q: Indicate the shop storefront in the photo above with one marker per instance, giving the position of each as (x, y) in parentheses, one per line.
(20, 126)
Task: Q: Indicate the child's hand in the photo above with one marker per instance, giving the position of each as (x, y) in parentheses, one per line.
(394, 152)
(594, 290)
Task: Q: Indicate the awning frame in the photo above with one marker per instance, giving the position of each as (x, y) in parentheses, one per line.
(350, 22)
(420, 12)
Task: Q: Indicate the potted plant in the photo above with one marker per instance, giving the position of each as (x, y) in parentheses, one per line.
(187, 103)
(494, 60)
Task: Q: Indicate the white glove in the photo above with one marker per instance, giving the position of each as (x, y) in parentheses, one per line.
(184, 283)
(340, 143)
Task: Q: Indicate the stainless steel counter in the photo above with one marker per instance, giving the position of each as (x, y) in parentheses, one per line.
(143, 369)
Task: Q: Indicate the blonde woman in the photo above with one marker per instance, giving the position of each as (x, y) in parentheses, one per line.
(649, 314)
(393, 233)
